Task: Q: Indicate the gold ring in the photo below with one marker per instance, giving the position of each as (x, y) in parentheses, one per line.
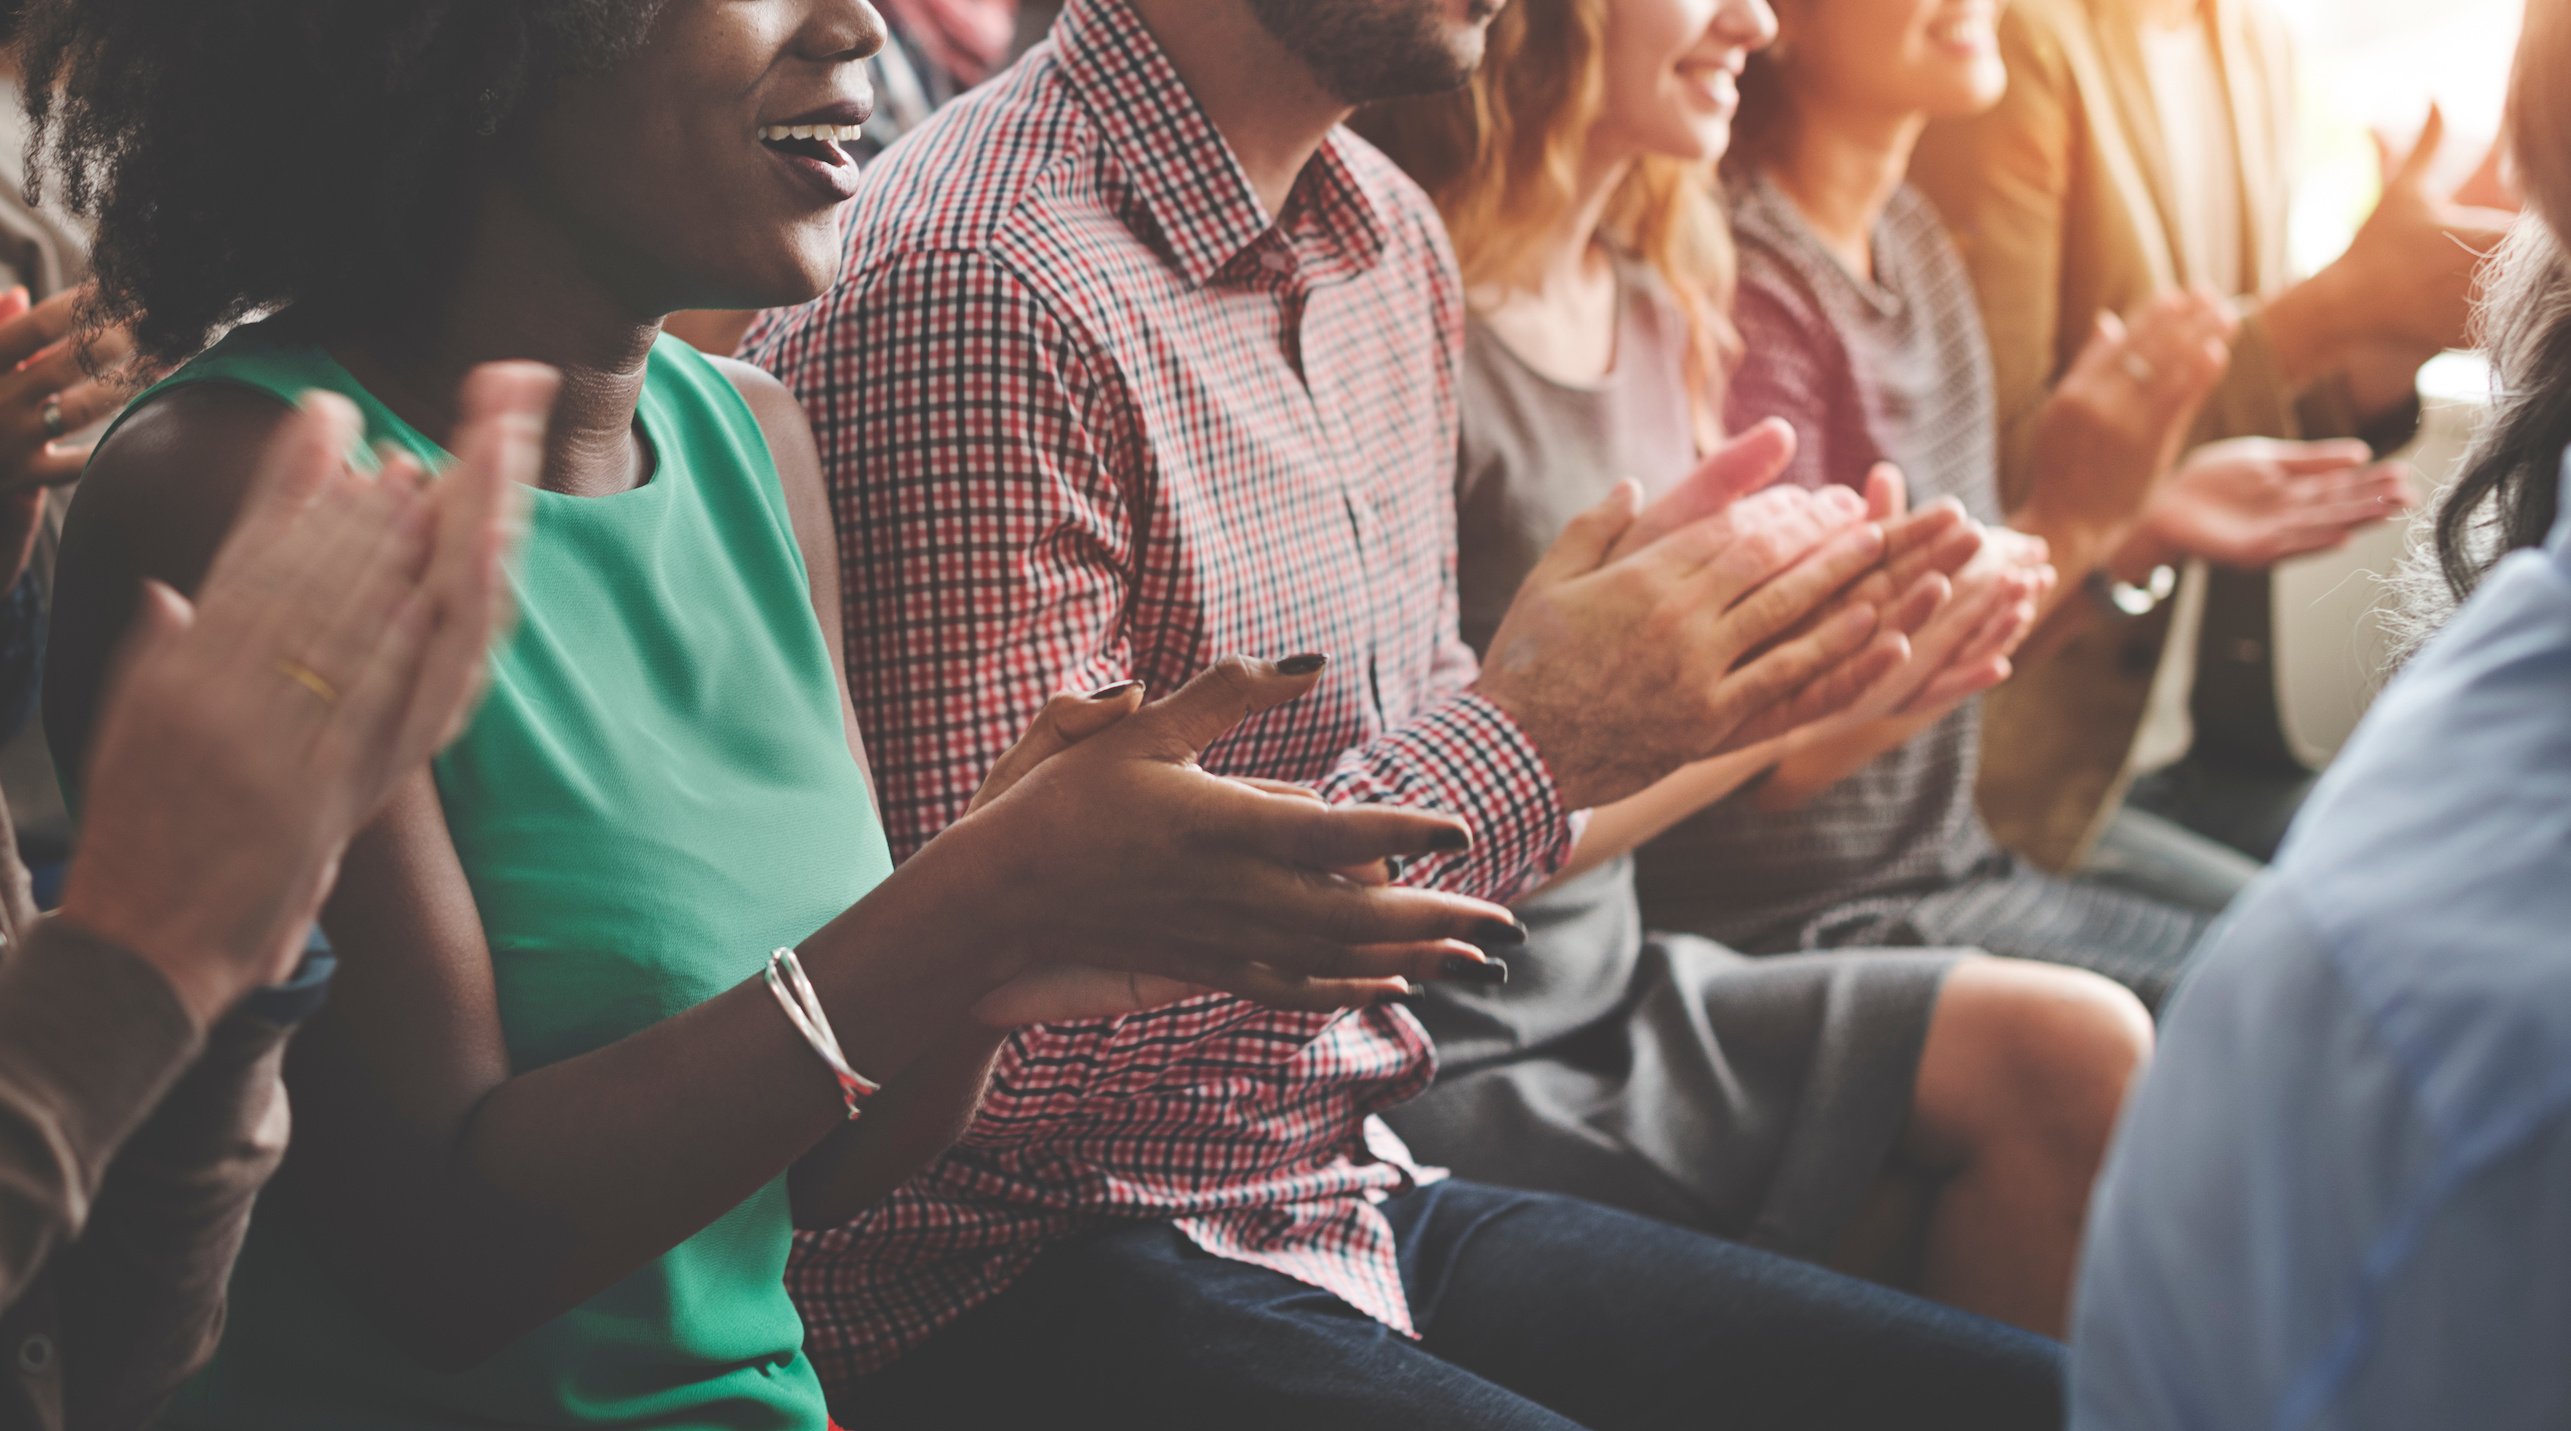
(51, 416)
(308, 678)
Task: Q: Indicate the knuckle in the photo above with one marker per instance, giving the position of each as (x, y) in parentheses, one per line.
(1233, 674)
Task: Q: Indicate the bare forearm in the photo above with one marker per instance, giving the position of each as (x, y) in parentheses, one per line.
(1820, 764)
(565, 1179)
(2305, 328)
(905, 1128)
(1627, 825)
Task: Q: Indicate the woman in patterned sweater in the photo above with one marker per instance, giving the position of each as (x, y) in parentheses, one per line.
(1862, 331)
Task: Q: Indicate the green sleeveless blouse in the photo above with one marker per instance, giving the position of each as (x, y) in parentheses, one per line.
(657, 792)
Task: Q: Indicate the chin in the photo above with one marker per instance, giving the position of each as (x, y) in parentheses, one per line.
(1708, 140)
(780, 279)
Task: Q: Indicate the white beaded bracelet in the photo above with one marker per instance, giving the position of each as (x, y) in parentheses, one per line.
(803, 1008)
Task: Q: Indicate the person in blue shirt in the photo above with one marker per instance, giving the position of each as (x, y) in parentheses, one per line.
(2342, 1196)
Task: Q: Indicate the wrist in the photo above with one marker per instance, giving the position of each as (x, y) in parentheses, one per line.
(206, 984)
(2077, 543)
(964, 893)
(2306, 324)
(2142, 552)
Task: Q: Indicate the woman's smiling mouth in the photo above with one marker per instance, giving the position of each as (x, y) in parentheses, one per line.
(817, 155)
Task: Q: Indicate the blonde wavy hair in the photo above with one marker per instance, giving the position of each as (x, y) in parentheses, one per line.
(1501, 158)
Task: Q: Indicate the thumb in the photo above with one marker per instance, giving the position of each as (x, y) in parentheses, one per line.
(1732, 471)
(2108, 336)
(2415, 165)
(310, 450)
(1887, 495)
(1065, 721)
(1222, 696)
(1587, 539)
(161, 616)
(2303, 459)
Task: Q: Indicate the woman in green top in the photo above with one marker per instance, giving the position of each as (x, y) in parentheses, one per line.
(554, 1131)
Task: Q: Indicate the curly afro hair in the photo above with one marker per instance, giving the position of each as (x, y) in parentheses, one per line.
(314, 157)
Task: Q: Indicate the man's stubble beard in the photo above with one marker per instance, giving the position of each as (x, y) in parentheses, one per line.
(1363, 51)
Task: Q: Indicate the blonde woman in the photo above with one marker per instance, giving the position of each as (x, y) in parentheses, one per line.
(1781, 1100)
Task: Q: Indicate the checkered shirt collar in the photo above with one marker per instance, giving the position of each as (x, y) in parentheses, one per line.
(1184, 178)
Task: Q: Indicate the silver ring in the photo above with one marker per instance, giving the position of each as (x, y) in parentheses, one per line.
(2137, 367)
(51, 415)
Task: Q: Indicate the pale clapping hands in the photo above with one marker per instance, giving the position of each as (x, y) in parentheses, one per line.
(2255, 501)
(2121, 414)
(1652, 637)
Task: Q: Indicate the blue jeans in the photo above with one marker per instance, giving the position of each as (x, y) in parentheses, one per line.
(1536, 1313)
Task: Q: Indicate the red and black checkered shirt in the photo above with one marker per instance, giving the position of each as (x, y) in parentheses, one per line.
(1089, 413)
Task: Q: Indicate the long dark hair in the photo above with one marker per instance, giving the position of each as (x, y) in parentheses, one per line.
(2505, 497)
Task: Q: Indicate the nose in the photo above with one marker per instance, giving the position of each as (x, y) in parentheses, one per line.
(1751, 24)
(842, 30)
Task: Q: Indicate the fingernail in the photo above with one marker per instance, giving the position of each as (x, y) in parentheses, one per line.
(1451, 840)
(1303, 665)
(1410, 994)
(1114, 689)
(1473, 971)
(1506, 933)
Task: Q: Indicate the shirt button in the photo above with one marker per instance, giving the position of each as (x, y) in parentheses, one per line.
(36, 1355)
(1276, 263)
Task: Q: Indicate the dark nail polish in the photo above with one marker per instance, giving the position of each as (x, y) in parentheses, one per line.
(1303, 665)
(1411, 994)
(1114, 689)
(1507, 934)
(1474, 971)
(1451, 840)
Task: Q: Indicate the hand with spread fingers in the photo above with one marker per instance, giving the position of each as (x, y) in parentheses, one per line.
(51, 387)
(1719, 616)
(2403, 289)
(2256, 501)
(1121, 875)
(47, 398)
(340, 638)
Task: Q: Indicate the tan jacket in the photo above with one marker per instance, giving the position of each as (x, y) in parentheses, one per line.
(2060, 199)
(131, 1150)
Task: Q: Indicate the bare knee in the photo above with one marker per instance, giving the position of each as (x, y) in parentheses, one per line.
(2034, 1058)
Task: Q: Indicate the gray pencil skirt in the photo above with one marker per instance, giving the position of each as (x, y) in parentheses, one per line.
(1759, 1099)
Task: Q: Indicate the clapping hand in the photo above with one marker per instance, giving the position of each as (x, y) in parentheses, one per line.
(2122, 412)
(1967, 596)
(2411, 267)
(340, 638)
(46, 397)
(2255, 501)
(1127, 877)
(1655, 636)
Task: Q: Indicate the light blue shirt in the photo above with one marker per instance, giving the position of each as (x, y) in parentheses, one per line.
(2342, 1197)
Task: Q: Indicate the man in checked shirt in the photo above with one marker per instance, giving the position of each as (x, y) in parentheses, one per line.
(1138, 361)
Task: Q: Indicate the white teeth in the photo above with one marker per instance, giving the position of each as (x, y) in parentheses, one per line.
(835, 133)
